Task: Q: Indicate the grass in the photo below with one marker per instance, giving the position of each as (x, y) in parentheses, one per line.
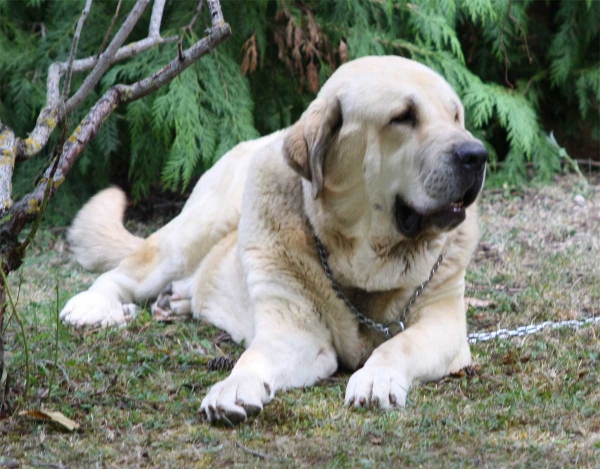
(135, 391)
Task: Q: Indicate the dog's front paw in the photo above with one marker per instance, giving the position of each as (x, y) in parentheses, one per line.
(381, 386)
(89, 309)
(232, 400)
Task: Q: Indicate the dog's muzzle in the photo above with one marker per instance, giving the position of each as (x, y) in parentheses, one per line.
(468, 164)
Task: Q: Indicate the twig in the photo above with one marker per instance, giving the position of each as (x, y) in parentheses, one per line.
(23, 334)
(60, 367)
(188, 28)
(8, 145)
(25, 210)
(57, 465)
(7, 323)
(589, 163)
(524, 35)
(252, 452)
(44, 204)
(216, 15)
(156, 18)
(52, 114)
(110, 28)
(82, 18)
(51, 384)
(106, 57)
(506, 61)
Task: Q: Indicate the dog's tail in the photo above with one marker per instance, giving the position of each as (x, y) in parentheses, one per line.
(97, 237)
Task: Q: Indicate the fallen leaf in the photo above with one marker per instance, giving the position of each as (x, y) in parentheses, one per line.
(477, 303)
(57, 417)
(375, 440)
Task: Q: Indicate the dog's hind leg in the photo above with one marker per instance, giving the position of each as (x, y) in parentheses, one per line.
(110, 300)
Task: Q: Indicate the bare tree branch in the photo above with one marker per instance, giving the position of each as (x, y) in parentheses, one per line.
(188, 28)
(82, 18)
(216, 15)
(52, 115)
(107, 56)
(8, 144)
(27, 208)
(501, 39)
(156, 18)
(110, 28)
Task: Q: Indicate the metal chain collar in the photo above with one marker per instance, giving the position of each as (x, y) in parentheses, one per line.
(384, 328)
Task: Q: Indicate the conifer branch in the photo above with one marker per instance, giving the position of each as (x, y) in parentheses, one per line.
(82, 18)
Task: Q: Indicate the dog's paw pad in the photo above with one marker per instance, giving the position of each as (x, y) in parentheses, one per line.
(377, 386)
(91, 309)
(236, 398)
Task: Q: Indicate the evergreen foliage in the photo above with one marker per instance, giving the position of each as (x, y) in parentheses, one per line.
(282, 50)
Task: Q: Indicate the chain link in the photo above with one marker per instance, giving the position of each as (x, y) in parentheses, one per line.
(531, 329)
(383, 328)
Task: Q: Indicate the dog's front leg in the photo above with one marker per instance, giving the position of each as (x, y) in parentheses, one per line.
(290, 350)
(431, 348)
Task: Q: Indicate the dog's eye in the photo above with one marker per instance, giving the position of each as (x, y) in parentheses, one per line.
(408, 117)
(457, 118)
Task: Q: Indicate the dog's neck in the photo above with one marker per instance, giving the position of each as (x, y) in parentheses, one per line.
(364, 251)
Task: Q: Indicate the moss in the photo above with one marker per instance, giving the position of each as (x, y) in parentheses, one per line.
(32, 146)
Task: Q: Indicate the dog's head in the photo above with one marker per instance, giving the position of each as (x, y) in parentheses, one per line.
(386, 136)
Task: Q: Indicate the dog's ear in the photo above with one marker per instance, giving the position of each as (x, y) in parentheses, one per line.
(308, 141)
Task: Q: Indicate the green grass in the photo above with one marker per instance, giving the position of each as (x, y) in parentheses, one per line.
(135, 391)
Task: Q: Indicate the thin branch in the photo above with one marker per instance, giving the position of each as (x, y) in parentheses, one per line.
(26, 209)
(156, 18)
(252, 452)
(506, 61)
(6, 288)
(524, 35)
(51, 115)
(589, 163)
(106, 58)
(8, 145)
(125, 52)
(216, 15)
(82, 18)
(110, 28)
(188, 28)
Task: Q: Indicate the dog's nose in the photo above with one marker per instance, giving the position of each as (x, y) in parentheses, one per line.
(471, 155)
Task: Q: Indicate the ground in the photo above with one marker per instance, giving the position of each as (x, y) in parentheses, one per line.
(135, 391)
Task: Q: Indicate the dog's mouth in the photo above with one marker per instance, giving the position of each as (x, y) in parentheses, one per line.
(411, 222)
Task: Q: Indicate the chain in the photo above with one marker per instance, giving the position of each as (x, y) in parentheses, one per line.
(384, 328)
(531, 329)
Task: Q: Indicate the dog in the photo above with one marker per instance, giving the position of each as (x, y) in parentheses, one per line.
(311, 245)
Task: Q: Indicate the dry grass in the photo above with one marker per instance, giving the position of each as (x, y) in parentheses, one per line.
(136, 391)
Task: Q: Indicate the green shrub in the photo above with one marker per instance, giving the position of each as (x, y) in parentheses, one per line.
(262, 78)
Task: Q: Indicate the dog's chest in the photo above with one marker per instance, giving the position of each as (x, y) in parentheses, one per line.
(355, 342)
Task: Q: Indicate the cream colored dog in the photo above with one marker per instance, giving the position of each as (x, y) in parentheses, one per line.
(381, 169)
